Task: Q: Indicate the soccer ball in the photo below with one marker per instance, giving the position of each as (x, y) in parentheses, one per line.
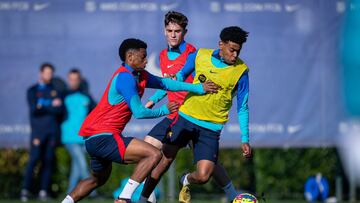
(245, 198)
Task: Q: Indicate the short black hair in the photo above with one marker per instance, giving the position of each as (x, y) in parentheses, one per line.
(129, 44)
(176, 17)
(75, 70)
(47, 65)
(234, 34)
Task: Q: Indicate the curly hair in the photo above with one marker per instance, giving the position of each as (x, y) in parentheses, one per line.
(129, 44)
(234, 34)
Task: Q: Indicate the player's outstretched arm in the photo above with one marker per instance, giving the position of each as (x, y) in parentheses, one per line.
(155, 98)
(141, 112)
(127, 88)
(186, 70)
(172, 85)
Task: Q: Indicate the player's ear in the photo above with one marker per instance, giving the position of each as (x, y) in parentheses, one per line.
(221, 44)
(185, 31)
(129, 56)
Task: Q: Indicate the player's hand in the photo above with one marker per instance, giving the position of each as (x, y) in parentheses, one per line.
(171, 76)
(56, 102)
(149, 104)
(246, 150)
(210, 87)
(173, 107)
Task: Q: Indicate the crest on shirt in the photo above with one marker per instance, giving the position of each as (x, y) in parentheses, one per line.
(202, 78)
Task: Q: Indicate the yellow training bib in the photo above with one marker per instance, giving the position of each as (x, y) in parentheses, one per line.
(213, 107)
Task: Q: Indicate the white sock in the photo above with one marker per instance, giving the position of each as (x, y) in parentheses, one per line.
(230, 191)
(185, 181)
(129, 189)
(152, 197)
(68, 199)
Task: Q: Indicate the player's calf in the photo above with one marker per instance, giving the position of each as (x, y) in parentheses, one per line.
(86, 186)
(147, 157)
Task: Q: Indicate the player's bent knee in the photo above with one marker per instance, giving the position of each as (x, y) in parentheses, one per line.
(96, 181)
(203, 177)
(156, 156)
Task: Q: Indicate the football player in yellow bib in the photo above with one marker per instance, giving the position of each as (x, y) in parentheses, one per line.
(201, 118)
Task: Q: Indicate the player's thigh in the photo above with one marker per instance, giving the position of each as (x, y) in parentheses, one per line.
(153, 141)
(138, 149)
(170, 151)
(104, 150)
(206, 145)
(181, 132)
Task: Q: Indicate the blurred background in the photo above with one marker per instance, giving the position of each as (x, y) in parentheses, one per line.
(304, 97)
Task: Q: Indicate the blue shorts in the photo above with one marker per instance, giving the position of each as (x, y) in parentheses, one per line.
(105, 149)
(160, 130)
(205, 141)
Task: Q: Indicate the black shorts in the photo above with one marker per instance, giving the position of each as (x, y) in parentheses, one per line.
(160, 130)
(105, 149)
(205, 141)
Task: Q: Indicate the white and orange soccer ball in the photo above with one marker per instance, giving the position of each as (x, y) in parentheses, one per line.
(245, 198)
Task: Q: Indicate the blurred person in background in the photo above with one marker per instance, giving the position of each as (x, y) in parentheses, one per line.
(45, 105)
(349, 140)
(78, 103)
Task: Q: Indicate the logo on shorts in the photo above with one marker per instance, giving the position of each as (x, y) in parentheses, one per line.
(169, 134)
(202, 78)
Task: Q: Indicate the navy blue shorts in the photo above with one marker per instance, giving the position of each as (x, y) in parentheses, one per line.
(205, 141)
(105, 149)
(160, 130)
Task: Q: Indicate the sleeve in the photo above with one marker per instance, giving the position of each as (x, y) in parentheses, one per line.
(37, 109)
(126, 86)
(157, 96)
(55, 110)
(173, 85)
(32, 101)
(242, 106)
(58, 110)
(188, 68)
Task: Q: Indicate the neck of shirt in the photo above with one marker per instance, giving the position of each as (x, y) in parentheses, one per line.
(130, 69)
(178, 49)
(217, 60)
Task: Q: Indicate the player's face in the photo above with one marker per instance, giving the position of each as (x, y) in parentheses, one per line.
(174, 34)
(138, 59)
(46, 75)
(229, 51)
(74, 81)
